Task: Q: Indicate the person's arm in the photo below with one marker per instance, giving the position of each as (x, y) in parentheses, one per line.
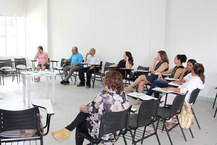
(162, 67)
(86, 57)
(80, 59)
(172, 89)
(46, 58)
(178, 73)
(154, 62)
(169, 71)
(127, 64)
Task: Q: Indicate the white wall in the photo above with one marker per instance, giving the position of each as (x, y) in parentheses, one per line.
(192, 30)
(109, 26)
(36, 26)
(13, 7)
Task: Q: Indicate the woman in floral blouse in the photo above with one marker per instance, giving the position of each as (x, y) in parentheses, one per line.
(111, 99)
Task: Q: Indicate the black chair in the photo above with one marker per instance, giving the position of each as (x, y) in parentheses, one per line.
(110, 122)
(7, 70)
(97, 75)
(21, 65)
(13, 123)
(61, 67)
(192, 100)
(167, 112)
(138, 123)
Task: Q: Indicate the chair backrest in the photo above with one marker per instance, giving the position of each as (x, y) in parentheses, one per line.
(147, 112)
(19, 61)
(142, 68)
(106, 65)
(177, 104)
(194, 95)
(113, 121)
(22, 119)
(6, 63)
(63, 63)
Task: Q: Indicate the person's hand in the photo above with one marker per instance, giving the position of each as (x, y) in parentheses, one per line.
(160, 77)
(156, 58)
(127, 58)
(61, 134)
(83, 108)
(91, 67)
(165, 89)
(72, 66)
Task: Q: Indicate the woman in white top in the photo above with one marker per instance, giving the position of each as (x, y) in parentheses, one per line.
(196, 81)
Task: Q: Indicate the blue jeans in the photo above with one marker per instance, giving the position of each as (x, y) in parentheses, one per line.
(157, 83)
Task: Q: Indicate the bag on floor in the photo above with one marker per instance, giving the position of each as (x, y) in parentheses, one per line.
(186, 117)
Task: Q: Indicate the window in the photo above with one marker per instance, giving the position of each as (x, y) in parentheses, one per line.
(12, 36)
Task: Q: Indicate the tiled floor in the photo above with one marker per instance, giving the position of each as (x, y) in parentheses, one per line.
(69, 98)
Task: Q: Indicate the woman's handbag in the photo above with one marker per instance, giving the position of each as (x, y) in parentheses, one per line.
(186, 117)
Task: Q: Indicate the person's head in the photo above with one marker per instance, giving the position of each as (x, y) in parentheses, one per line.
(179, 59)
(92, 51)
(190, 64)
(74, 50)
(198, 70)
(113, 80)
(162, 56)
(129, 55)
(40, 49)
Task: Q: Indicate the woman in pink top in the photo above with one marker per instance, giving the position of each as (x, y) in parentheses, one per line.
(42, 60)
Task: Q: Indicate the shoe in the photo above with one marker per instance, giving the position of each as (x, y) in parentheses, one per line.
(80, 85)
(61, 135)
(87, 87)
(62, 82)
(66, 83)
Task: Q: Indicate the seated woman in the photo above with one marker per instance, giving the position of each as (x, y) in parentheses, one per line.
(159, 65)
(42, 60)
(174, 72)
(112, 99)
(126, 63)
(195, 82)
(187, 70)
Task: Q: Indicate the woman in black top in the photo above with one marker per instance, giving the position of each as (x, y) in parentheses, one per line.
(126, 63)
(159, 65)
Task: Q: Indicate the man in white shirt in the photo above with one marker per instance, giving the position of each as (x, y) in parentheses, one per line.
(92, 60)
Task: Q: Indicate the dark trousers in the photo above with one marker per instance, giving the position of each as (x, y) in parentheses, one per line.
(80, 124)
(157, 83)
(88, 75)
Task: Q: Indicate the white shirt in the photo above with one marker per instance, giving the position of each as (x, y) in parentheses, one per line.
(193, 83)
(93, 59)
(188, 77)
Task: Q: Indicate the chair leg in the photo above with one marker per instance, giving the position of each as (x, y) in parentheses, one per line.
(168, 135)
(215, 112)
(133, 135)
(181, 129)
(195, 118)
(143, 135)
(191, 132)
(155, 131)
(214, 101)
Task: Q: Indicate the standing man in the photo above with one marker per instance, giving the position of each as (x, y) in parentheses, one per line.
(75, 65)
(92, 60)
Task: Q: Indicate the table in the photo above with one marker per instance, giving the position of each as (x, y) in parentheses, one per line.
(26, 77)
(160, 90)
